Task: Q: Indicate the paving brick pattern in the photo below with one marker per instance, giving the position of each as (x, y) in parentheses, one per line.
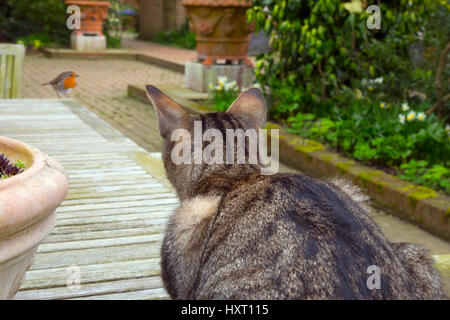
(173, 54)
(102, 88)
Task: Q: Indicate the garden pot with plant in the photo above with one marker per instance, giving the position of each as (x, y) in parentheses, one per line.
(221, 29)
(32, 186)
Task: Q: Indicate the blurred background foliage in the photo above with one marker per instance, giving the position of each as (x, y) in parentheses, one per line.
(41, 22)
(369, 93)
(38, 23)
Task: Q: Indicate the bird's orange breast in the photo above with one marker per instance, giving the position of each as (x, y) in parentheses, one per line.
(70, 83)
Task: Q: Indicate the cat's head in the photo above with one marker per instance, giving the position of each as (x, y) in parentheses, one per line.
(195, 145)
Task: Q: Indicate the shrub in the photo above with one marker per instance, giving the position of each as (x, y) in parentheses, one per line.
(321, 47)
(112, 28)
(21, 18)
(182, 38)
(366, 93)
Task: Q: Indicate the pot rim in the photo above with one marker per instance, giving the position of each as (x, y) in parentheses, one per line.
(217, 3)
(88, 3)
(30, 196)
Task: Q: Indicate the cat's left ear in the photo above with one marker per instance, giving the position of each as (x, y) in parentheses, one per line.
(170, 114)
(252, 105)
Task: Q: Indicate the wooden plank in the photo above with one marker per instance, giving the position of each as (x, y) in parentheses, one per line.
(157, 228)
(89, 290)
(58, 277)
(141, 218)
(3, 77)
(151, 294)
(153, 211)
(124, 204)
(92, 256)
(97, 243)
(110, 225)
(105, 200)
(10, 81)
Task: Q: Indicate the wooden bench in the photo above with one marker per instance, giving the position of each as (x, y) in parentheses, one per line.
(11, 62)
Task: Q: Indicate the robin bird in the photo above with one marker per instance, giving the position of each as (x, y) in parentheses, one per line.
(64, 83)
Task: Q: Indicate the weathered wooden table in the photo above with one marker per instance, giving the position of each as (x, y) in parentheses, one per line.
(109, 229)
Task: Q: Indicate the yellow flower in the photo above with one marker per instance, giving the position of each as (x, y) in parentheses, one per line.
(382, 105)
(411, 116)
(370, 89)
(388, 106)
(421, 116)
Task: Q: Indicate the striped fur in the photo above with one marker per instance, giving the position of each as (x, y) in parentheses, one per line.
(241, 235)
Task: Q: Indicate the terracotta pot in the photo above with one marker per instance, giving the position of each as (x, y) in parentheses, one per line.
(221, 29)
(27, 210)
(92, 15)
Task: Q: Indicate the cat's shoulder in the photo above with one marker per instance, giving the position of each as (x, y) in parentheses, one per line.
(193, 210)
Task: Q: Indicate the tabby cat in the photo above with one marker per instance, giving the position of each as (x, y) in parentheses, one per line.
(238, 234)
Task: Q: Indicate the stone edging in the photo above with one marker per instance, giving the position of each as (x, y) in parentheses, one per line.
(423, 206)
(114, 54)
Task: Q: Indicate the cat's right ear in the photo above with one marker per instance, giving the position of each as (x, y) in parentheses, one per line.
(169, 112)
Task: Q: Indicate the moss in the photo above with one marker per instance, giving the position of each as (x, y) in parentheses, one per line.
(327, 158)
(417, 193)
(380, 187)
(369, 175)
(307, 146)
(271, 125)
(442, 263)
(344, 166)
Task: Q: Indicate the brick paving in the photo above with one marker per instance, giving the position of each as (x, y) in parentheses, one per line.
(172, 54)
(102, 88)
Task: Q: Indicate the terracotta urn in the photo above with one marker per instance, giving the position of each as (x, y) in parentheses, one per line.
(221, 29)
(27, 210)
(92, 15)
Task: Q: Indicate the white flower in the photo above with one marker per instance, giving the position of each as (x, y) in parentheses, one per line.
(421, 116)
(401, 118)
(447, 128)
(228, 86)
(222, 80)
(378, 80)
(257, 85)
(405, 106)
(410, 116)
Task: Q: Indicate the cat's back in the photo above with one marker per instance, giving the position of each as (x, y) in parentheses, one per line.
(293, 237)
